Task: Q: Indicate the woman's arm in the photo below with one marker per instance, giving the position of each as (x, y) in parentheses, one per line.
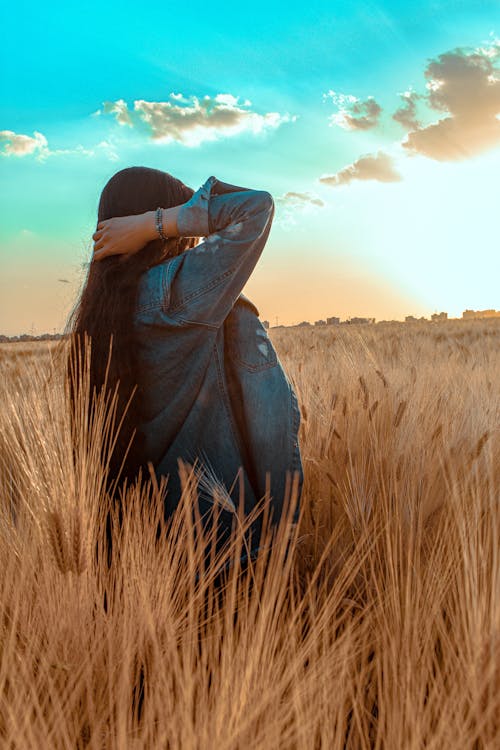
(202, 284)
(123, 235)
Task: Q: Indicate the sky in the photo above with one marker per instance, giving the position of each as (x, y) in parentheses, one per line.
(374, 125)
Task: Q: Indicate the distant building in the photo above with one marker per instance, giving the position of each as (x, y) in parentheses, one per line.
(304, 323)
(438, 317)
(477, 314)
(265, 323)
(360, 321)
(320, 322)
(333, 321)
(23, 337)
(410, 319)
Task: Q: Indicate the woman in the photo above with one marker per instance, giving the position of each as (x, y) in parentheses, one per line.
(210, 390)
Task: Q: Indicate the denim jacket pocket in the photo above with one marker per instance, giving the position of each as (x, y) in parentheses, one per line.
(247, 341)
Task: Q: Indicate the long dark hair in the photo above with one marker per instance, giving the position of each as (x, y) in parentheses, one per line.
(104, 311)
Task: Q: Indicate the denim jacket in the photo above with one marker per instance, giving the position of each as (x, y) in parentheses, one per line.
(216, 394)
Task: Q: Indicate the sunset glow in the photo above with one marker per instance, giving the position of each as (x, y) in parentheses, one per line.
(375, 127)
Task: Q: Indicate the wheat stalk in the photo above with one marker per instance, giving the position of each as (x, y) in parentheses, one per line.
(58, 541)
(399, 413)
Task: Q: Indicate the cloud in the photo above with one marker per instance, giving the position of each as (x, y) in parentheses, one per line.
(18, 144)
(119, 109)
(353, 113)
(466, 86)
(108, 148)
(379, 167)
(406, 115)
(463, 83)
(299, 198)
(292, 204)
(190, 120)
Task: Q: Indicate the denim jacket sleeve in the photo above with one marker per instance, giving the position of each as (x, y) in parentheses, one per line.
(203, 283)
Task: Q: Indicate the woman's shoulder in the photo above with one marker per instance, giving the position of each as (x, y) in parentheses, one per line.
(247, 303)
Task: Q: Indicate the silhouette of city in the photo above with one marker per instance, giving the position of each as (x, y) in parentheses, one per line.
(330, 321)
(435, 318)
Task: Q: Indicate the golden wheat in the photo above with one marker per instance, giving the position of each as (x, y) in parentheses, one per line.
(373, 624)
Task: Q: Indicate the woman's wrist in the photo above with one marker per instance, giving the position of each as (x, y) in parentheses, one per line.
(149, 226)
(169, 223)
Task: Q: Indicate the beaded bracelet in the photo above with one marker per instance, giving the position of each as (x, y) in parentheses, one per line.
(159, 224)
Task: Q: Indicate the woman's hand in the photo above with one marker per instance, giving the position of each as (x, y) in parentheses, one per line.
(123, 235)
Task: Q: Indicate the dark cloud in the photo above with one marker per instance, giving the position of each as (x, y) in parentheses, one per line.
(379, 167)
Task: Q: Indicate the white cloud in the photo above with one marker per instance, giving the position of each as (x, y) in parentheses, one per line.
(107, 148)
(492, 48)
(293, 203)
(191, 121)
(18, 144)
(353, 113)
(119, 109)
(293, 198)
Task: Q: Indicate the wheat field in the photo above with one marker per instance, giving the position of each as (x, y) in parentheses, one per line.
(381, 629)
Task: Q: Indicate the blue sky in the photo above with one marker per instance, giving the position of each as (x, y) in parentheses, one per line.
(375, 216)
